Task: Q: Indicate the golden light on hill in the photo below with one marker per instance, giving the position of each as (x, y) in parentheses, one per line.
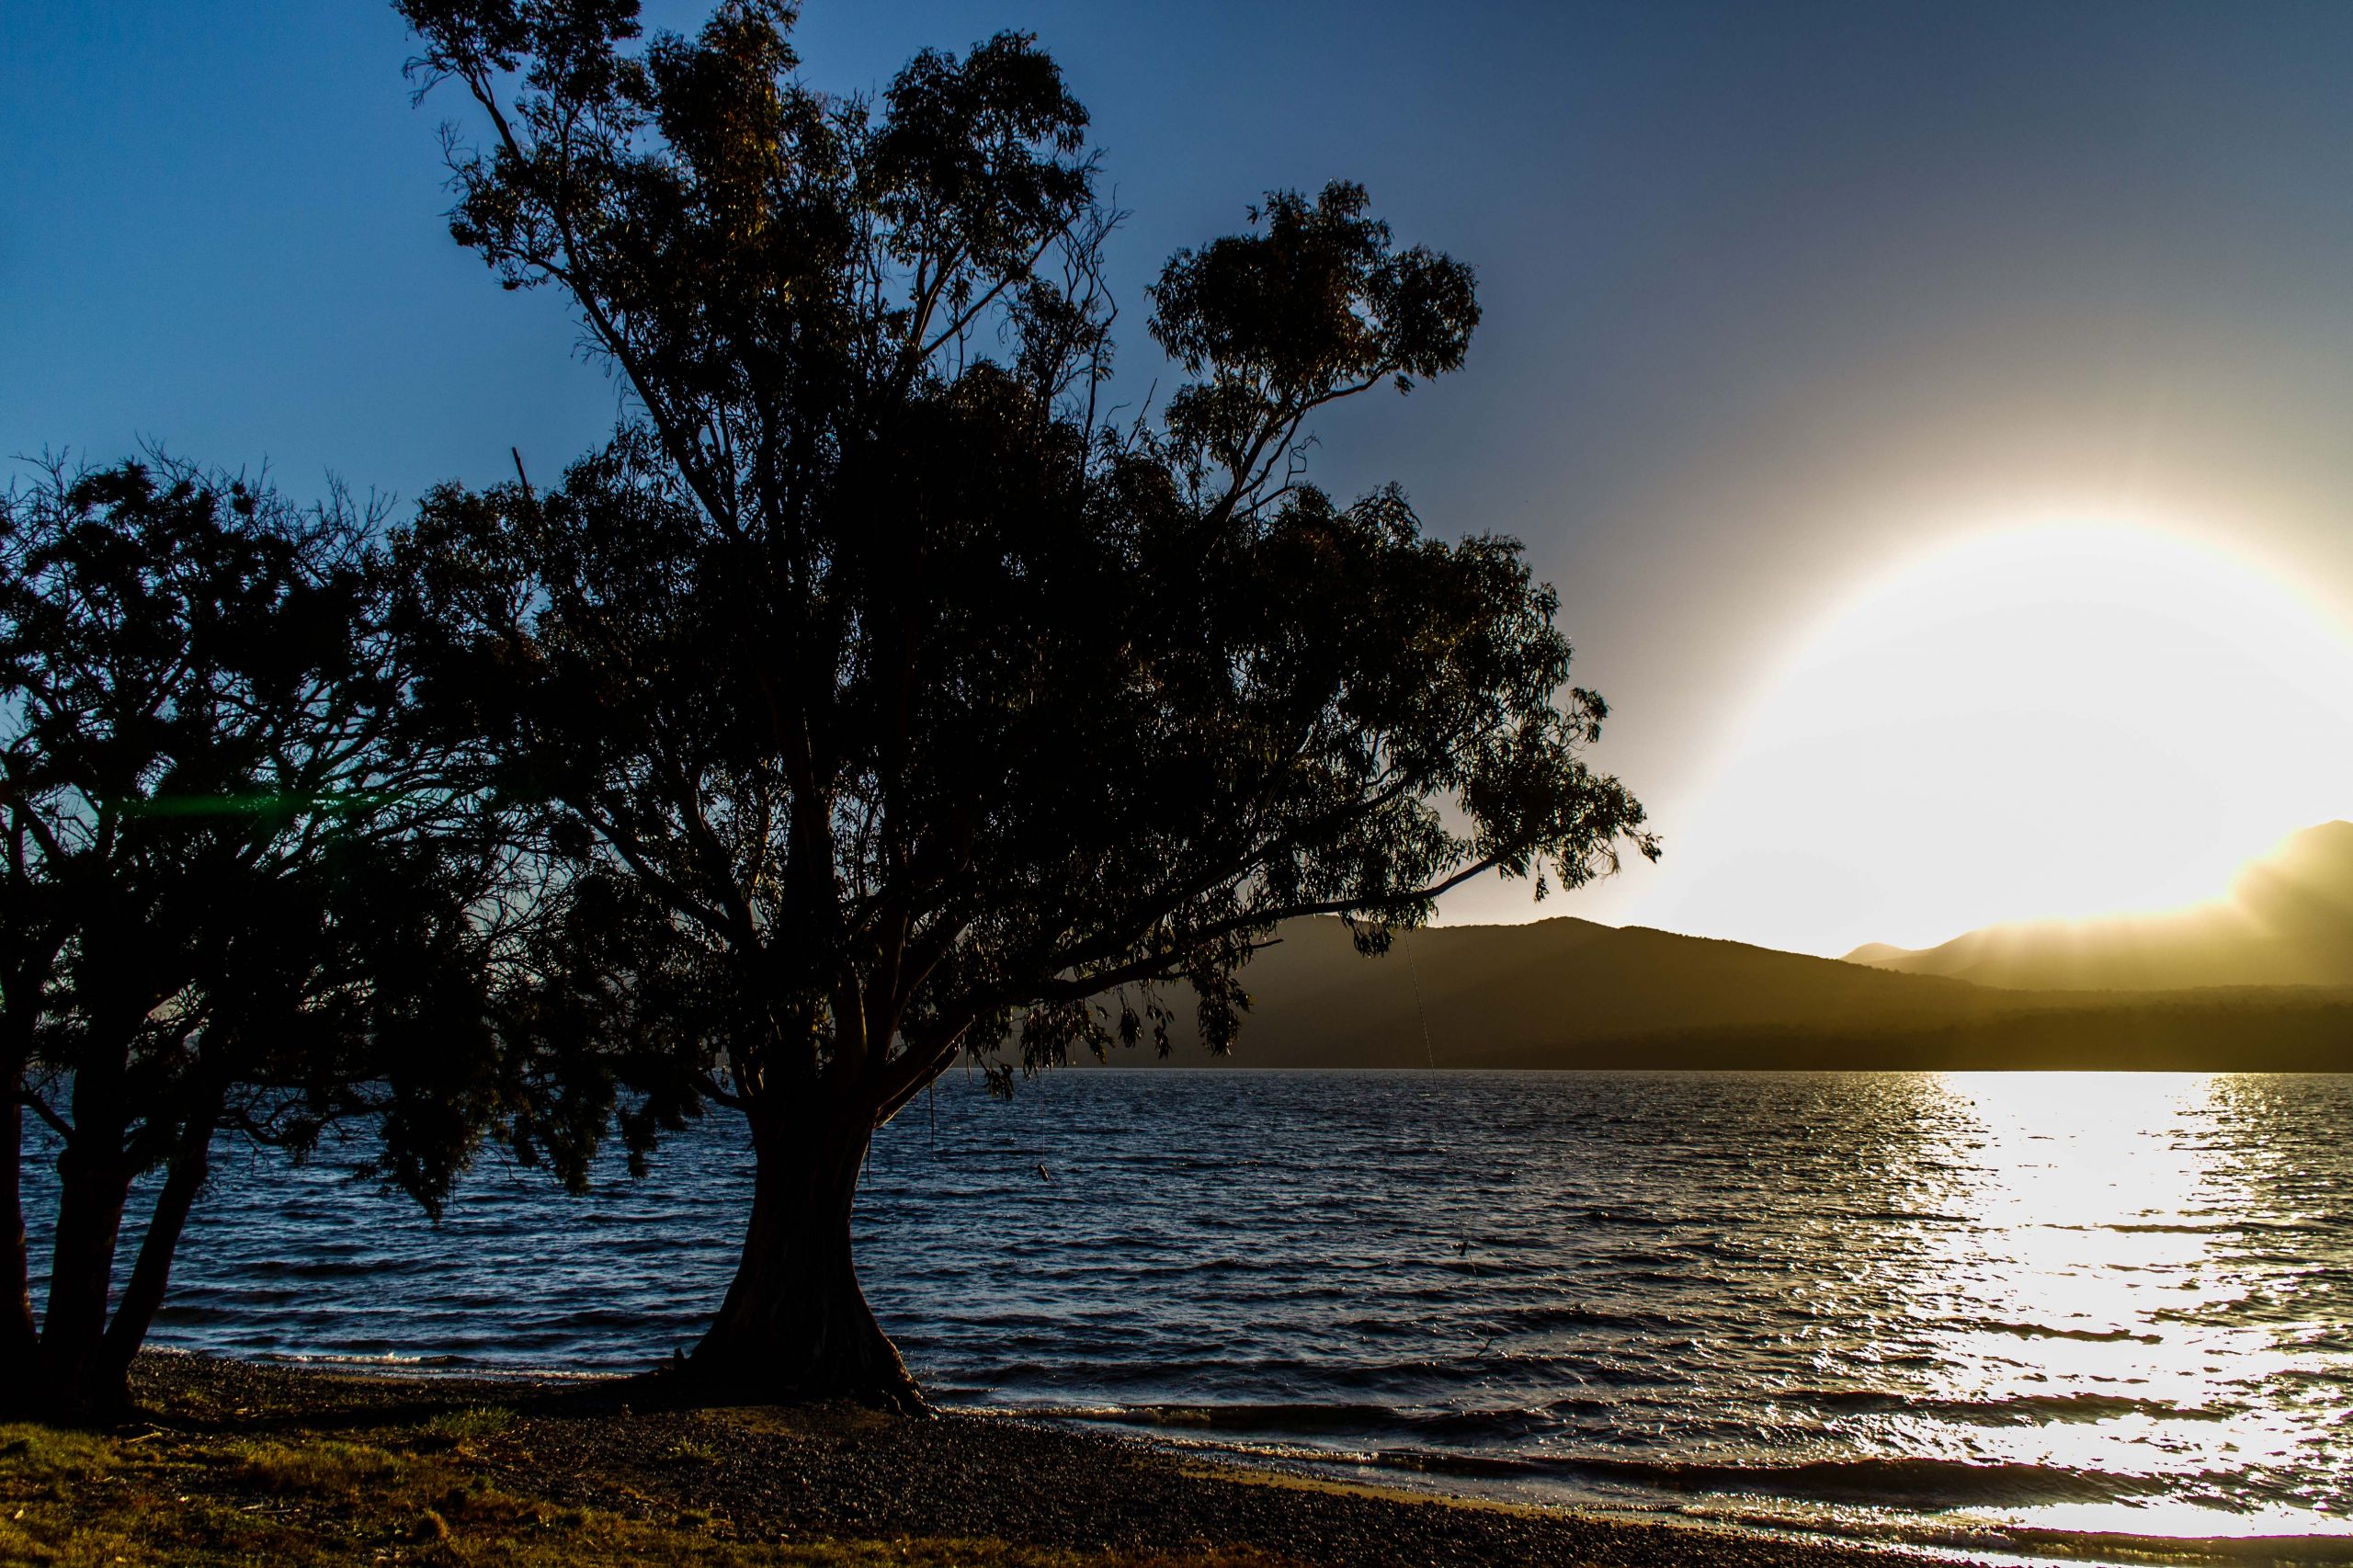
(2063, 720)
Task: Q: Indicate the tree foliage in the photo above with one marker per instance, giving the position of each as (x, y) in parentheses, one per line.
(880, 698)
(231, 897)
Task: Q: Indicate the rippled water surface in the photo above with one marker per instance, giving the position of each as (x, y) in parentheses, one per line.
(1980, 1308)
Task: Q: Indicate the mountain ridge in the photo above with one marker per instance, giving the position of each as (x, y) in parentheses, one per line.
(1568, 993)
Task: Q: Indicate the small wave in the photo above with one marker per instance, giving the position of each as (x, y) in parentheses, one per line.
(381, 1358)
(390, 1364)
(1908, 1483)
(1638, 1220)
(2052, 1330)
(1303, 1418)
(1544, 1319)
(2014, 1410)
(1467, 1426)
(1980, 1538)
(1038, 1411)
(1905, 1217)
(2172, 1549)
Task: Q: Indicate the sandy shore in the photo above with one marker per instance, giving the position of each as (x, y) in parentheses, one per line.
(765, 1474)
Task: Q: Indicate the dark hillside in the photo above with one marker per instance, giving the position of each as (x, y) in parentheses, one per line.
(1568, 993)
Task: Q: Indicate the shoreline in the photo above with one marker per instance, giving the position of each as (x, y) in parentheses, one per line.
(715, 1484)
(1872, 1536)
(237, 1461)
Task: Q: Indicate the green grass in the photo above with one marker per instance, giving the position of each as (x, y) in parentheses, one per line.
(474, 1422)
(319, 1468)
(395, 1496)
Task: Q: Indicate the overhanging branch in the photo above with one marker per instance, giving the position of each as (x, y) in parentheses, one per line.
(40, 1107)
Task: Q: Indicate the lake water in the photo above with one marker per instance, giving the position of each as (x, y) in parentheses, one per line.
(2032, 1312)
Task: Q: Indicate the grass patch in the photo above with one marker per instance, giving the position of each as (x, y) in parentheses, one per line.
(395, 1496)
(688, 1452)
(473, 1423)
(42, 1456)
(316, 1469)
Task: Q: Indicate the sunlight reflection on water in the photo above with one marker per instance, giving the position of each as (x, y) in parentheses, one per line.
(2113, 1213)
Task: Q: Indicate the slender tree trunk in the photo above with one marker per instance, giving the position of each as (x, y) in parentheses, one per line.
(93, 1183)
(795, 1326)
(134, 1311)
(17, 1340)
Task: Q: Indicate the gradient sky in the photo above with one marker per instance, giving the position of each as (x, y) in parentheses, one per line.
(1782, 302)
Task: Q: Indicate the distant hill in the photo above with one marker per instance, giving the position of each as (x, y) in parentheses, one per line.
(2287, 921)
(1566, 993)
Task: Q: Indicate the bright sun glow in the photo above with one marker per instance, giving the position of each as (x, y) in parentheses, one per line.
(2065, 720)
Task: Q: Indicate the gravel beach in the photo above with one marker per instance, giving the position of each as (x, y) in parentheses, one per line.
(766, 1475)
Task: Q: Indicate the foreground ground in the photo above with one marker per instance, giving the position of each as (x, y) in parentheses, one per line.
(239, 1464)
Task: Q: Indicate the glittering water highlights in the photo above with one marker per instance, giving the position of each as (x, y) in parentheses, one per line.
(2033, 1312)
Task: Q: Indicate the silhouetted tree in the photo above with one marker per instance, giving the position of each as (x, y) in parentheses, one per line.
(884, 700)
(230, 900)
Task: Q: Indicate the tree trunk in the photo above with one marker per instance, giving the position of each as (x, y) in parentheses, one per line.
(79, 1366)
(93, 1185)
(134, 1311)
(17, 1340)
(795, 1326)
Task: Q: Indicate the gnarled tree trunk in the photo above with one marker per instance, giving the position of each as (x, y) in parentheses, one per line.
(795, 1326)
(79, 1366)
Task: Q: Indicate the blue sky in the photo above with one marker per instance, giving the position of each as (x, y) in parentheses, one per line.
(1778, 297)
